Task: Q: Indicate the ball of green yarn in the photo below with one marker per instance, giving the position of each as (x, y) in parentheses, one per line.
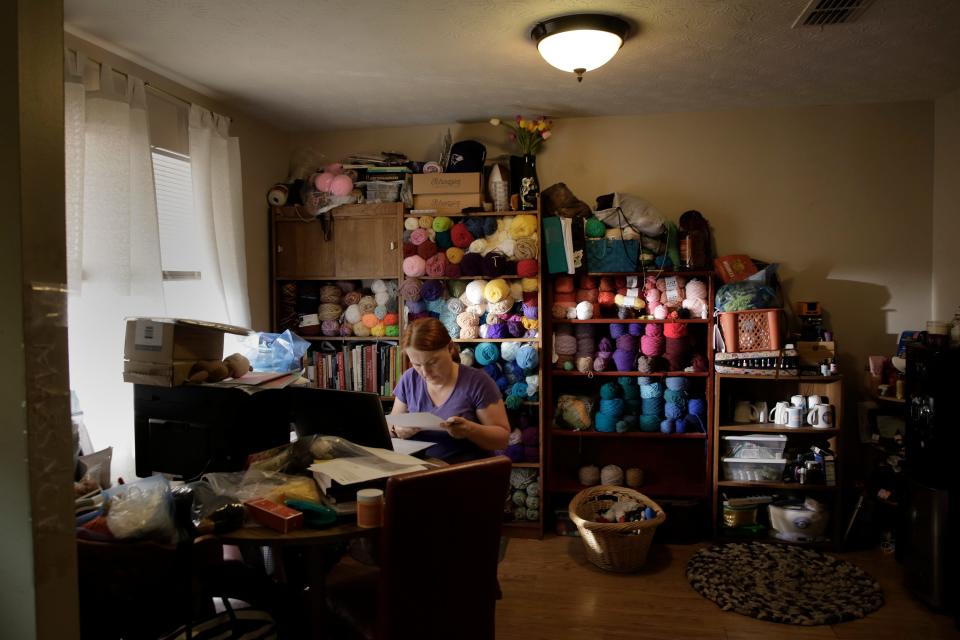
(513, 402)
(456, 288)
(442, 223)
(608, 391)
(595, 228)
(568, 366)
(520, 498)
(391, 331)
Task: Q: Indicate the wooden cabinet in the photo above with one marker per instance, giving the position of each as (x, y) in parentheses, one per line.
(362, 241)
(733, 388)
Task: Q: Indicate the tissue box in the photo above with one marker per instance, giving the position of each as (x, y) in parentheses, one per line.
(276, 516)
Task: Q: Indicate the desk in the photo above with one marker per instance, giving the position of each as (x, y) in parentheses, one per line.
(315, 544)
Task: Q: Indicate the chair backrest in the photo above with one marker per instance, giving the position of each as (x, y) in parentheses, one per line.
(439, 549)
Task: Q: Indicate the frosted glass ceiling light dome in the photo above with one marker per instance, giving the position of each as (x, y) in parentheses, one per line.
(579, 43)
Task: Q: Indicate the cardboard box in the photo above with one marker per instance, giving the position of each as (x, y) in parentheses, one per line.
(156, 374)
(446, 183)
(169, 340)
(447, 203)
(276, 516)
(813, 353)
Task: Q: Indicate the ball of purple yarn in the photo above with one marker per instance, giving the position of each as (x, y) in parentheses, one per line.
(635, 329)
(431, 290)
(605, 344)
(530, 311)
(330, 328)
(530, 436)
(531, 454)
(617, 329)
(416, 306)
(472, 264)
(602, 361)
(623, 359)
(515, 452)
(497, 331)
(627, 343)
(515, 327)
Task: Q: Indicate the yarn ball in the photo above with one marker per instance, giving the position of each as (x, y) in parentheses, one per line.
(454, 255)
(391, 319)
(634, 477)
(605, 423)
(475, 227)
(527, 357)
(490, 225)
(526, 248)
(513, 402)
(475, 291)
(486, 352)
(442, 223)
(346, 330)
(414, 266)
(644, 364)
(609, 390)
(649, 423)
(456, 288)
(497, 331)
(478, 246)
(352, 314)
(611, 474)
(496, 264)
(676, 383)
(508, 351)
(528, 268)
(426, 249)
(523, 226)
(666, 426)
(594, 228)
(652, 406)
(409, 249)
(436, 264)
(466, 357)
(529, 284)
(443, 240)
(697, 407)
(589, 475)
(673, 412)
(496, 290)
(636, 330)
(653, 329)
(419, 236)
(432, 290)
(416, 306)
(411, 224)
(471, 264)
(341, 185)
(611, 407)
(617, 329)
(515, 453)
(627, 343)
(584, 310)
(519, 389)
(651, 390)
(360, 330)
(674, 330)
(467, 319)
(460, 235)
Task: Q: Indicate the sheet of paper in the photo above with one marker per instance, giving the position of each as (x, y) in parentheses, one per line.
(422, 420)
(410, 447)
(353, 470)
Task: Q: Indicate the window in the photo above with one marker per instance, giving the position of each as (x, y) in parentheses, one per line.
(180, 254)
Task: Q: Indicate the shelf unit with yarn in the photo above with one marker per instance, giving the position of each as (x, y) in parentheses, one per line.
(675, 467)
(354, 247)
(477, 249)
(730, 389)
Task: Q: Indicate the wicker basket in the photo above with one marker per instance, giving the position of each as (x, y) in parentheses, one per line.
(753, 330)
(614, 546)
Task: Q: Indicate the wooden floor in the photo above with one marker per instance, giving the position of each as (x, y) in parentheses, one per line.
(551, 591)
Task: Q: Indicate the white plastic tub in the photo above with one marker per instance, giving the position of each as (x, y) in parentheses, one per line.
(757, 445)
(754, 469)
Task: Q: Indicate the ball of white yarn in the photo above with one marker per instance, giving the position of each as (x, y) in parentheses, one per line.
(411, 224)
(477, 246)
(611, 474)
(660, 313)
(516, 290)
(352, 314)
(508, 350)
(382, 298)
(533, 382)
(378, 286)
(584, 310)
(589, 475)
(474, 291)
(466, 357)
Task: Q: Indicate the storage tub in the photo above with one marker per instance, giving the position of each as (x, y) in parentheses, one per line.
(754, 330)
(757, 445)
(754, 469)
(794, 522)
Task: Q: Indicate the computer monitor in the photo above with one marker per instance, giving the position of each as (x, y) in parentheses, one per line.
(356, 416)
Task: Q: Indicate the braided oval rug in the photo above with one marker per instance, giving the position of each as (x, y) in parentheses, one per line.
(786, 584)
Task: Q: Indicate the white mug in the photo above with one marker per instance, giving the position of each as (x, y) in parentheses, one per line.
(795, 417)
(799, 401)
(778, 415)
(744, 412)
(821, 416)
(813, 401)
(762, 411)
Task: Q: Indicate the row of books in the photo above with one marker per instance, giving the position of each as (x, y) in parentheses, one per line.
(372, 367)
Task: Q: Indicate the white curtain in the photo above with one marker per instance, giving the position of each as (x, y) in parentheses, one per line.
(217, 200)
(113, 244)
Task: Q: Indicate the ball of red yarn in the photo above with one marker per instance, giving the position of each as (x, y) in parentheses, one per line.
(409, 249)
(427, 249)
(588, 282)
(606, 298)
(563, 284)
(451, 270)
(674, 330)
(460, 235)
(606, 284)
(528, 268)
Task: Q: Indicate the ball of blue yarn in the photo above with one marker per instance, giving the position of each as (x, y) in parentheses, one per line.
(630, 422)
(605, 423)
(676, 383)
(493, 370)
(666, 426)
(693, 424)
(612, 407)
(673, 411)
(697, 407)
(627, 381)
(652, 407)
(676, 398)
(486, 352)
(631, 393)
(632, 405)
(519, 389)
(609, 390)
(437, 306)
(489, 226)
(649, 423)
(527, 357)
(642, 380)
(502, 383)
(621, 425)
(515, 370)
(450, 323)
(475, 227)
(652, 390)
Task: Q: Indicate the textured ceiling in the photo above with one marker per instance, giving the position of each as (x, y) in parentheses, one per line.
(310, 65)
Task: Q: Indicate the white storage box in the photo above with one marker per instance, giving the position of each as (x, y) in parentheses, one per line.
(758, 445)
(754, 469)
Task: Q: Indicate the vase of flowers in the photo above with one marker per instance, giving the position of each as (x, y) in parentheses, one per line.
(529, 134)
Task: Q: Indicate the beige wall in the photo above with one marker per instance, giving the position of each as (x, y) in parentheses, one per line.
(946, 208)
(840, 196)
(264, 159)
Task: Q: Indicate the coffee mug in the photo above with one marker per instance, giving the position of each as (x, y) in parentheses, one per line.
(821, 416)
(778, 415)
(799, 401)
(813, 401)
(762, 411)
(744, 412)
(795, 417)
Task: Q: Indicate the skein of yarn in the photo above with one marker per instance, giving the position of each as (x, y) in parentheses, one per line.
(589, 475)
(611, 474)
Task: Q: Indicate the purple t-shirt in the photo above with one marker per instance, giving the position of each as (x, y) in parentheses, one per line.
(473, 390)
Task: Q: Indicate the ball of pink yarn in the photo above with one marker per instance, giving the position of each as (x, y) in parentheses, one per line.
(414, 266)
(322, 181)
(418, 236)
(341, 185)
(334, 168)
(653, 329)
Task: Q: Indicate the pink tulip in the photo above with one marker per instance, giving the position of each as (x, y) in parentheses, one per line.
(546, 134)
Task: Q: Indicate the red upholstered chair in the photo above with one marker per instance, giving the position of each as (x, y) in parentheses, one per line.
(437, 575)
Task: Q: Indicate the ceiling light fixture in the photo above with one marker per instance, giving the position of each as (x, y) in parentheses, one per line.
(579, 43)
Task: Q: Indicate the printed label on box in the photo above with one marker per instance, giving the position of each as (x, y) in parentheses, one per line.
(149, 335)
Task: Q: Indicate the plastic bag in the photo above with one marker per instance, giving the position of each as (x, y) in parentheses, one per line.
(141, 509)
(294, 458)
(639, 214)
(280, 352)
(212, 512)
(253, 484)
(758, 291)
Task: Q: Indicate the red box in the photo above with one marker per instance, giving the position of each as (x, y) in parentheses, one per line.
(276, 516)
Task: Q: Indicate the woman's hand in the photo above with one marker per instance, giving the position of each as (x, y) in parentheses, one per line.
(458, 427)
(403, 432)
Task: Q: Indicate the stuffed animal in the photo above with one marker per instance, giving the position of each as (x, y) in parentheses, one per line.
(234, 366)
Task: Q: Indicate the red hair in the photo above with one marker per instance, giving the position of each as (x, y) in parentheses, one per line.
(428, 334)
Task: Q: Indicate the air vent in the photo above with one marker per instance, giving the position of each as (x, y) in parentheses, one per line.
(820, 13)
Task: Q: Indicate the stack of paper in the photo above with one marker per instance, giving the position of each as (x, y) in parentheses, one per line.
(379, 464)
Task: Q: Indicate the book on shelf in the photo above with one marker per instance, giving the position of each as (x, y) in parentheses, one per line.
(358, 367)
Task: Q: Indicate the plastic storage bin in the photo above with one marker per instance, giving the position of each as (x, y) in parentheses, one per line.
(753, 330)
(754, 469)
(757, 445)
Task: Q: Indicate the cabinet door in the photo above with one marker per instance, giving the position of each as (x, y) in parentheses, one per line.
(302, 251)
(367, 246)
